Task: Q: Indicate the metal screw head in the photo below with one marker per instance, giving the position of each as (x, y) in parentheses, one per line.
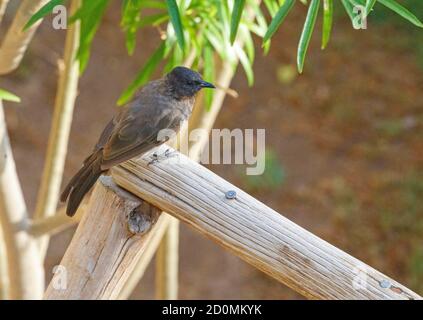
(385, 284)
(231, 194)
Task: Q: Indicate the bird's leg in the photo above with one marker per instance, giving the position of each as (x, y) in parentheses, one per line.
(167, 154)
(155, 158)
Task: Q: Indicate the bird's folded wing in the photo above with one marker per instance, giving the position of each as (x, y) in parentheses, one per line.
(133, 136)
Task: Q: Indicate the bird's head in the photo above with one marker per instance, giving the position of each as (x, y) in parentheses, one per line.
(185, 83)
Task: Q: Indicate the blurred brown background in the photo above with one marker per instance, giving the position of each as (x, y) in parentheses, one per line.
(344, 143)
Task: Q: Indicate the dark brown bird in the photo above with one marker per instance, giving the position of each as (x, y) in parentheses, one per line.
(161, 104)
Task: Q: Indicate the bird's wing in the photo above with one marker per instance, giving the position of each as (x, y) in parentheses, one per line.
(105, 135)
(136, 133)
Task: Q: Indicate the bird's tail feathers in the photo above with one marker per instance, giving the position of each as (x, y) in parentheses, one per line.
(82, 182)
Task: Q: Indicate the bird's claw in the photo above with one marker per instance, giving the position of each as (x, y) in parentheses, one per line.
(156, 158)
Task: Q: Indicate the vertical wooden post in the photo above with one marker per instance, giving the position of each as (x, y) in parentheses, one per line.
(48, 194)
(4, 274)
(25, 268)
(109, 241)
(3, 5)
(16, 40)
(167, 263)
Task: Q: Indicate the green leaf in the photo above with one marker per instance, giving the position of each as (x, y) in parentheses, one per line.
(246, 64)
(353, 8)
(260, 27)
(327, 22)
(131, 10)
(208, 74)
(42, 12)
(86, 8)
(175, 59)
(248, 42)
(349, 9)
(143, 76)
(369, 6)
(278, 19)
(153, 4)
(358, 2)
(216, 41)
(175, 19)
(309, 23)
(8, 96)
(90, 14)
(153, 20)
(402, 11)
(272, 6)
(236, 18)
(130, 41)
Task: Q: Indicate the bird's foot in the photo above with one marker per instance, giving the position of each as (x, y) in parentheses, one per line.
(170, 153)
(166, 155)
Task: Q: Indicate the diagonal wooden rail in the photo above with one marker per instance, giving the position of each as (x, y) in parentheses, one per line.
(242, 224)
(254, 232)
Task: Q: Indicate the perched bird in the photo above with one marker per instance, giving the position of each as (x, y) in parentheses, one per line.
(162, 104)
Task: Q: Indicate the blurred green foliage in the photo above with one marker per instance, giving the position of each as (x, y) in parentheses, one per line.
(195, 27)
(272, 178)
(416, 268)
(414, 39)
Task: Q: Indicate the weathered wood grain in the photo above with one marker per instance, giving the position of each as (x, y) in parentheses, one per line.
(110, 239)
(253, 231)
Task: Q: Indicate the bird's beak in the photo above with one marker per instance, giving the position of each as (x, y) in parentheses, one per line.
(205, 84)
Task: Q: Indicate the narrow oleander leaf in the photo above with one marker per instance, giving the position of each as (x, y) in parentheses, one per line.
(224, 24)
(208, 73)
(143, 76)
(402, 11)
(358, 2)
(248, 42)
(131, 10)
(278, 19)
(175, 19)
(261, 26)
(42, 12)
(130, 41)
(125, 9)
(369, 6)
(349, 9)
(87, 7)
(8, 96)
(246, 64)
(216, 41)
(176, 57)
(90, 14)
(153, 20)
(307, 32)
(327, 22)
(153, 4)
(272, 6)
(236, 18)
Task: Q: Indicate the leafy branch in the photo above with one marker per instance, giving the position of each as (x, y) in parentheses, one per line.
(202, 27)
(8, 96)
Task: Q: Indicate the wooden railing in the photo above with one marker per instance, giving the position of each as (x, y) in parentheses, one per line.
(119, 232)
(115, 233)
